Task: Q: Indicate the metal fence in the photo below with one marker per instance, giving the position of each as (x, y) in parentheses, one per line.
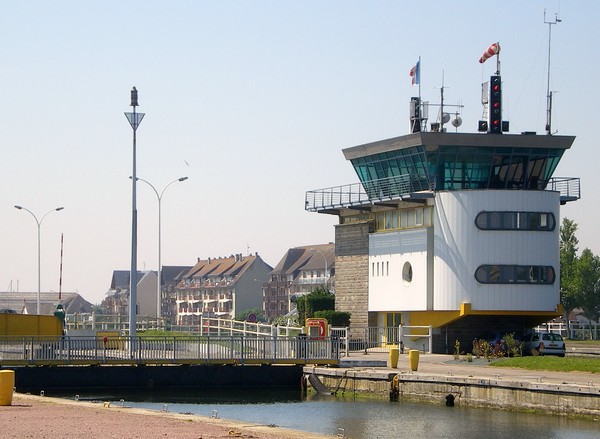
(214, 326)
(107, 322)
(575, 331)
(168, 350)
(382, 339)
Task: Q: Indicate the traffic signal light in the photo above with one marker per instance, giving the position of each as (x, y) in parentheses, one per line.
(495, 110)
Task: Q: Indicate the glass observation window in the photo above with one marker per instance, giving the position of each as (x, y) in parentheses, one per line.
(510, 274)
(540, 221)
(396, 173)
(458, 167)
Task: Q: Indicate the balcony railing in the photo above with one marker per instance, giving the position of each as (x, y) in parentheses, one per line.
(384, 189)
(404, 186)
(568, 187)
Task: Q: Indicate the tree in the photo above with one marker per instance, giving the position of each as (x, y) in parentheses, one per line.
(588, 282)
(318, 299)
(568, 262)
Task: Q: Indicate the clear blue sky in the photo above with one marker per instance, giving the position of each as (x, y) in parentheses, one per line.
(253, 101)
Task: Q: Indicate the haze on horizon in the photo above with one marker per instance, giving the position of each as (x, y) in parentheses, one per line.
(253, 101)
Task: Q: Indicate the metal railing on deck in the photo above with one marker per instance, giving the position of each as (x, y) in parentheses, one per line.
(168, 350)
(354, 194)
(568, 187)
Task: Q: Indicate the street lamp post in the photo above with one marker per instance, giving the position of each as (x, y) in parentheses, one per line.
(134, 120)
(159, 197)
(39, 224)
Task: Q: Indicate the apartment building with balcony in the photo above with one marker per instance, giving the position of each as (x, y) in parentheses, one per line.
(220, 287)
(300, 271)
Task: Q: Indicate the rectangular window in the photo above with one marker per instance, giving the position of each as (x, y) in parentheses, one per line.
(380, 221)
(403, 218)
(411, 218)
(419, 213)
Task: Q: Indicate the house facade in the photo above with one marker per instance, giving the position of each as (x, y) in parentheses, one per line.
(300, 271)
(220, 287)
(171, 276)
(25, 302)
(116, 301)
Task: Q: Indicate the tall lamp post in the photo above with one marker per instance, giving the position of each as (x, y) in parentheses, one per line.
(134, 120)
(159, 197)
(39, 224)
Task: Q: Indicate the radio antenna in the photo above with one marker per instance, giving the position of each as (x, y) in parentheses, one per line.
(549, 93)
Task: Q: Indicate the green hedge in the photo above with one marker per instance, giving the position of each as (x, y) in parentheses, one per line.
(334, 318)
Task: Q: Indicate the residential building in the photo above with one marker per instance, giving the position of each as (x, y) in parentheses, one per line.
(25, 302)
(171, 276)
(221, 287)
(117, 297)
(300, 271)
(457, 231)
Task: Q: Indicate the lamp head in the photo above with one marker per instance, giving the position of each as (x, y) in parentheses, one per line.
(134, 97)
(183, 179)
(19, 207)
(59, 208)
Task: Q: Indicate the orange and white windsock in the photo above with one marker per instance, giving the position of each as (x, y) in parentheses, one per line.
(494, 49)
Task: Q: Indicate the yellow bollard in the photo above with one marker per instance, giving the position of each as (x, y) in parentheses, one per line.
(393, 358)
(7, 385)
(413, 359)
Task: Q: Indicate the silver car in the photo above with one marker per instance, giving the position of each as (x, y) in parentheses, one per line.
(544, 343)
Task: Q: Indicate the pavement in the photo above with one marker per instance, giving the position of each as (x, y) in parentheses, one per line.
(447, 365)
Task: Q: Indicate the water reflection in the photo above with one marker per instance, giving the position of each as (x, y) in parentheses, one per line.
(359, 419)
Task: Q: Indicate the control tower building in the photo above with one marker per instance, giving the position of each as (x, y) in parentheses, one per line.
(453, 231)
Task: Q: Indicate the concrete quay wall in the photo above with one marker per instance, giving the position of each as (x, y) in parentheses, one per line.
(507, 394)
(79, 378)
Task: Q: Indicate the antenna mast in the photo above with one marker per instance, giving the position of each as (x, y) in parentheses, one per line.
(549, 93)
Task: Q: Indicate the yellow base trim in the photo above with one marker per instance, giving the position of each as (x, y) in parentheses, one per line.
(441, 318)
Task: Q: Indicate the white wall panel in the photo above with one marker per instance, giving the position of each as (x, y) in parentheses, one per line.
(387, 289)
(460, 247)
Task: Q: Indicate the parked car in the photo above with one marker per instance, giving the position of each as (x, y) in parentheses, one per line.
(544, 343)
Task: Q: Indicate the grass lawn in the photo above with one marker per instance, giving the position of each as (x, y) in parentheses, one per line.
(565, 364)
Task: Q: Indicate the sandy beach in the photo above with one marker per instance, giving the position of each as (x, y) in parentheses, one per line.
(32, 416)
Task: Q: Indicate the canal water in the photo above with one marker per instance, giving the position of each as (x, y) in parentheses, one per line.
(357, 419)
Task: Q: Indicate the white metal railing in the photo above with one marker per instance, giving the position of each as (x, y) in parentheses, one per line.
(167, 350)
(569, 187)
(104, 322)
(381, 339)
(214, 326)
(575, 331)
(407, 332)
(389, 188)
(342, 335)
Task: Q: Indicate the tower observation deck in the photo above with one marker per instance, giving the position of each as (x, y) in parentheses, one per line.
(416, 166)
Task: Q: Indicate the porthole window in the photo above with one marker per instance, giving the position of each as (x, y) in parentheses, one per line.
(515, 274)
(407, 273)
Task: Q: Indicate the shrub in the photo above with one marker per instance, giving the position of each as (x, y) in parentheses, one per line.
(334, 318)
(514, 348)
(456, 350)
